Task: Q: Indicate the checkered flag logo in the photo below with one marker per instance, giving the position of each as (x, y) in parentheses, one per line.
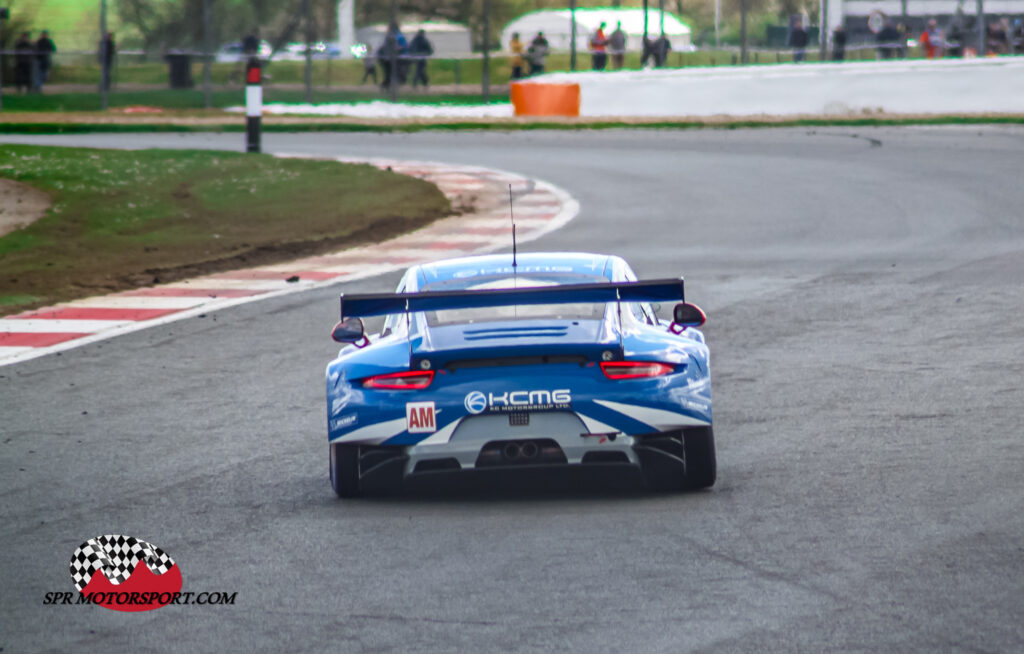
(116, 557)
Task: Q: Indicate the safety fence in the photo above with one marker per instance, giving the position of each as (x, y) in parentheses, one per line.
(136, 76)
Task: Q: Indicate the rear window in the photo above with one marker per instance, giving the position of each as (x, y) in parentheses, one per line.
(575, 311)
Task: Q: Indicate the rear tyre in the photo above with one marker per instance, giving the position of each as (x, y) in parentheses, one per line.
(662, 460)
(345, 470)
(701, 463)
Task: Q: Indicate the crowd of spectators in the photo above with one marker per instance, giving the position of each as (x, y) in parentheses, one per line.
(956, 39)
(396, 56)
(33, 61)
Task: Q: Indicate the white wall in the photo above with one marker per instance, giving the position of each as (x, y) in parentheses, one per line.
(922, 86)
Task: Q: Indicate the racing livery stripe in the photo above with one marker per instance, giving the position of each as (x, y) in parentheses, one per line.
(374, 433)
(442, 435)
(658, 419)
(596, 426)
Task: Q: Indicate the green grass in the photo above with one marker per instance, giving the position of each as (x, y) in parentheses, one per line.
(857, 121)
(120, 219)
(194, 99)
(16, 299)
(73, 24)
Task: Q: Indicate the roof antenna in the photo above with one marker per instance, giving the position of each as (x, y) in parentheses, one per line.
(515, 279)
(512, 216)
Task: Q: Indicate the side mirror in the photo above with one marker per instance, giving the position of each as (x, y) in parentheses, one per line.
(349, 330)
(685, 315)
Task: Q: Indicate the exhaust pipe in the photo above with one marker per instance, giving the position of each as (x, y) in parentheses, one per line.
(529, 450)
(511, 451)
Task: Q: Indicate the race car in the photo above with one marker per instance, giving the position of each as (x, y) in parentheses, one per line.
(505, 362)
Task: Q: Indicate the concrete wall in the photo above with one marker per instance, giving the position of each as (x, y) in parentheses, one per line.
(851, 88)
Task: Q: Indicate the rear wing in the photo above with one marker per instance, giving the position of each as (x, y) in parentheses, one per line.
(363, 305)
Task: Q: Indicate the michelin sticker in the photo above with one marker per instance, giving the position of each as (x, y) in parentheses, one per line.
(344, 421)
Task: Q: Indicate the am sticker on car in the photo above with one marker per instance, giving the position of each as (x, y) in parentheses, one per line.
(420, 417)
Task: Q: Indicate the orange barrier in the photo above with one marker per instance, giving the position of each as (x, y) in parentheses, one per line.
(530, 99)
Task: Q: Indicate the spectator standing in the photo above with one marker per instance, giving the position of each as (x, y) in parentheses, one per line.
(251, 43)
(108, 50)
(403, 51)
(931, 40)
(648, 51)
(661, 49)
(45, 48)
(369, 66)
(515, 46)
(24, 56)
(888, 41)
(420, 49)
(617, 47)
(904, 36)
(385, 53)
(798, 40)
(838, 44)
(536, 53)
(598, 48)
(250, 48)
(998, 39)
(955, 41)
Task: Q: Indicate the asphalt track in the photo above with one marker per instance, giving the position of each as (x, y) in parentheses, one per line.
(864, 292)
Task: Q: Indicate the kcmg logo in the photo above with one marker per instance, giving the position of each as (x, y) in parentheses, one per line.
(476, 402)
(538, 400)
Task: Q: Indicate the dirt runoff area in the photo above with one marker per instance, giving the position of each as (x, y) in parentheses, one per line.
(20, 205)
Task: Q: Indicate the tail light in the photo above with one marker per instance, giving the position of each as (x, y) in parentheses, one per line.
(634, 369)
(411, 380)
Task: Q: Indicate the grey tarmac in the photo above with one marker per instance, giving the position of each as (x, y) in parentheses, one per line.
(864, 291)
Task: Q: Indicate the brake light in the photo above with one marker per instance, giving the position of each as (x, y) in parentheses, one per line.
(634, 369)
(411, 380)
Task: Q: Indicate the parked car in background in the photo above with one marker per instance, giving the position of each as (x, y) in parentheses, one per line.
(321, 50)
(232, 52)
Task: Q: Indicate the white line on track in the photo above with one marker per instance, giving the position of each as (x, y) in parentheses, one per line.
(39, 326)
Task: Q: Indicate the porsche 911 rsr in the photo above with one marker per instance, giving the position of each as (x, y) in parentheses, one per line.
(557, 360)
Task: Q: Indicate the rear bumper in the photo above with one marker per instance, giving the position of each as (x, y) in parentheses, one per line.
(384, 466)
(571, 449)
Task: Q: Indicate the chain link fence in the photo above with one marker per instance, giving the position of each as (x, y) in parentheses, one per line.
(175, 79)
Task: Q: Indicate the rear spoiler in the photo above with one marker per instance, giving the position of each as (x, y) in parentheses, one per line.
(363, 305)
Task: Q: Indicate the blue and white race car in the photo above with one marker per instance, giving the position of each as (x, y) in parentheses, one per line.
(495, 362)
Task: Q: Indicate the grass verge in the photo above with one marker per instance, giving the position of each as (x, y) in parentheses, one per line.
(122, 219)
(194, 99)
(37, 123)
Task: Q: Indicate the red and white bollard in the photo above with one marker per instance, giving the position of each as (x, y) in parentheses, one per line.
(253, 105)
